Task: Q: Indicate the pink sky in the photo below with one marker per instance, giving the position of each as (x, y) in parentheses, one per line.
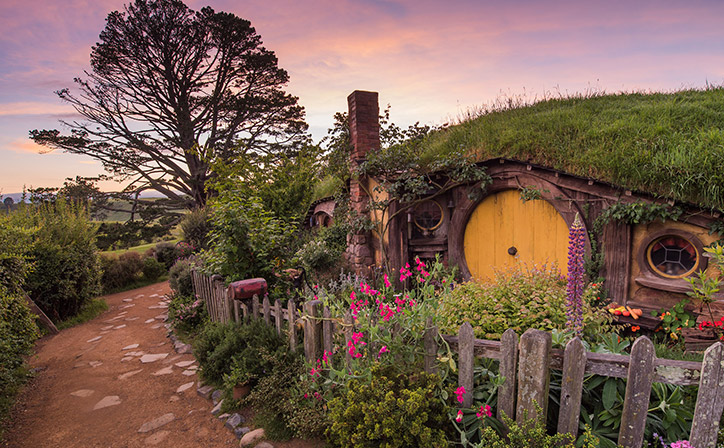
(431, 60)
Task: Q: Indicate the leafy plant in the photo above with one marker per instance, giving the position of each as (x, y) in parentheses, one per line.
(152, 269)
(674, 319)
(186, 312)
(179, 277)
(195, 227)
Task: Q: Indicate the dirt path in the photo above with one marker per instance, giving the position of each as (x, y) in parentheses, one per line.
(84, 365)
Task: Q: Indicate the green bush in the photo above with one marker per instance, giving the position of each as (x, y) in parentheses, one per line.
(230, 353)
(121, 271)
(67, 268)
(166, 253)
(186, 312)
(152, 269)
(388, 410)
(529, 434)
(516, 298)
(179, 277)
(195, 228)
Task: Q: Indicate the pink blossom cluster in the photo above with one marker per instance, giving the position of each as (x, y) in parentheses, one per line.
(322, 363)
(356, 305)
(459, 393)
(353, 343)
(405, 272)
(484, 412)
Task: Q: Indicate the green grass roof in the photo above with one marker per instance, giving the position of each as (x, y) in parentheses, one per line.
(665, 144)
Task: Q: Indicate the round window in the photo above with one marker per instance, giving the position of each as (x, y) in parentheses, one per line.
(428, 215)
(672, 256)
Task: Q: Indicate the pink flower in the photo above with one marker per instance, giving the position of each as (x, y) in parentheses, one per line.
(387, 282)
(459, 393)
(382, 350)
(484, 412)
(459, 418)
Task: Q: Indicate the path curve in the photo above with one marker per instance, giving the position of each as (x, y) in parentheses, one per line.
(90, 392)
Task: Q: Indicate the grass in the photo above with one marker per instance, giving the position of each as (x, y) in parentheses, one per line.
(666, 144)
(89, 311)
(141, 249)
(9, 390)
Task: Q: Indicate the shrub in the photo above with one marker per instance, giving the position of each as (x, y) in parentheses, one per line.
(517, 298)
(388, 410)
(166, 253)
(179, 277)
(121, 271)
(67, 268)
(128, 234)
(152, 268)
(186, 312)
(195, 228)
(531, 433)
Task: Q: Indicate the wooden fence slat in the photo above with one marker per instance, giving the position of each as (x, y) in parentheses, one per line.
(430, 343)
(255, 307)
(266, 307)
(327, 330)
(574, 366)
(278, 316)
(245, 312)
(710, 399)
(292, 318)
(638, 391)
(533, 374)
(466, 360)
(348, 330)
(508, 369)
(312, 330)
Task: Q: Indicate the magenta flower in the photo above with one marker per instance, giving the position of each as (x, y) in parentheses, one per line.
(484, 412)
(459, 418)
(459, 393)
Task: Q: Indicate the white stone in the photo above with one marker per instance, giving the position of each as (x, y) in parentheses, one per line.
(148, 321)
(157, 326)
(110, 400)
(174, 398)
(184, 363)
(157, 423)
(95, 363)
(123, 307)
(131, 319)
(156, 438)
(139, 353)
(84, 393)
(184, 387)
(118, 327)
(161, 317)
(153, 357)
(127, 358)
(128, 300)
(153, 295)
(129, 374)
(252, 437)
(97, 338)
(188, 372)
(165, 371)
(129, 347)
(107, 327)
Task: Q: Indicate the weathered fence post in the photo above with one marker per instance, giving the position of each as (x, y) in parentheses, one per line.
(508, 369)
(710, 399)
(466, 358)
(327, 330)
(574, 366)
(638, 390)
(267, 311)
(430, 341)
(245, 312)
(348, 330)
(255, 307)
(292, 318)
(279, 315)
(312, 330)
(533, 374)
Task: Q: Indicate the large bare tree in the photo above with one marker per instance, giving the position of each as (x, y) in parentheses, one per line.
(171, 90)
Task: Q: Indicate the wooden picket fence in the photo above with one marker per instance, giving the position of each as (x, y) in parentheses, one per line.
(525, 363)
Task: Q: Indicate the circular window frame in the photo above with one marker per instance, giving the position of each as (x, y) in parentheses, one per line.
(646, 263)
(436, 226)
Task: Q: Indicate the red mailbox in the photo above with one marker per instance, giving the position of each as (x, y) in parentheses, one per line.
(246, 289)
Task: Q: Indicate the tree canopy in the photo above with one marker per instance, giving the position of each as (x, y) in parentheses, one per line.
(170, 92)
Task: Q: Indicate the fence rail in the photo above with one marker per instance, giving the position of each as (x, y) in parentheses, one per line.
(524, 361)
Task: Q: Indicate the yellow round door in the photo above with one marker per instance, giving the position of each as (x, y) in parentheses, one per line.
(504, 231)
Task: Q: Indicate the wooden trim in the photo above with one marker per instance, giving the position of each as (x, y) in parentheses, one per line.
(661, 282)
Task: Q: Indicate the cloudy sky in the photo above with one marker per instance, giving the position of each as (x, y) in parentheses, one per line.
(430, 59)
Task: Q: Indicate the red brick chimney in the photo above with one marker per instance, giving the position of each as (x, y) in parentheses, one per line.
(364, 130)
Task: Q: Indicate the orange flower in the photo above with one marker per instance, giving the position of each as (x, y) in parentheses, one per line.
(635, 328)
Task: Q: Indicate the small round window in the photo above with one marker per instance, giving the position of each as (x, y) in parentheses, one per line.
(428, 215)
(672, 256)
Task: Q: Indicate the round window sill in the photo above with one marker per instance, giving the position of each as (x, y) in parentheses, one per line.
(678, 285)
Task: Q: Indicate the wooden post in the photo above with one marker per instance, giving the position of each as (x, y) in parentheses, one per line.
(533, 374)
(292, 311)
(348, 330)
(245, 312)
(267, 310)
(508, 369)
(279, 315)
(255, 307)
(312, 330)
(574, 366)
(638, 390)
(430, 341)
(710, 400)
(327, 331)
(466, 358)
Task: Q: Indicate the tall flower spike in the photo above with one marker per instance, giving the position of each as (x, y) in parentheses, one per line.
(576, 271)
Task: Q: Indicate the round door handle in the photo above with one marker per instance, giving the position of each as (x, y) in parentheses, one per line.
(512, 250)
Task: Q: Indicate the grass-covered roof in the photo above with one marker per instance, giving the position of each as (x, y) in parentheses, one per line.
(666, 144)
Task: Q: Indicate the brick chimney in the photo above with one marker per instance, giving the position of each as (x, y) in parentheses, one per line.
(364, 130)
